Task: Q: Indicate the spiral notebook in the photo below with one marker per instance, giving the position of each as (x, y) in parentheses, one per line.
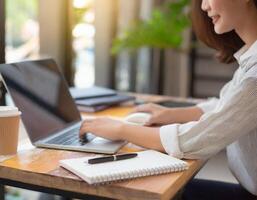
(147, 163)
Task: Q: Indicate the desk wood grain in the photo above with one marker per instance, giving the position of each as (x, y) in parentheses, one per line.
(40, 167)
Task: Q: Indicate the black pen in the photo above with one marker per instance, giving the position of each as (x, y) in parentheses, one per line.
(111, 158)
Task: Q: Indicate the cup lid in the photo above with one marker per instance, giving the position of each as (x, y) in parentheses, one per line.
(8, 111)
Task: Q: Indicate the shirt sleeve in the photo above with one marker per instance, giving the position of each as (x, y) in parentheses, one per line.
(233, 117)
(208, 105)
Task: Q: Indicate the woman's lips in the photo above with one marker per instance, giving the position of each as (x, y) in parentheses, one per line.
(215, 19)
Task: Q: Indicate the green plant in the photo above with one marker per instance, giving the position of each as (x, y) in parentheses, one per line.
(163, 30)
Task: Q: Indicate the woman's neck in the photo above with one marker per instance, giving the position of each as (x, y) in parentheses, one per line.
(248, 28)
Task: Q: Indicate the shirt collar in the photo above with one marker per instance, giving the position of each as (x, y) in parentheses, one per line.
(244, 54)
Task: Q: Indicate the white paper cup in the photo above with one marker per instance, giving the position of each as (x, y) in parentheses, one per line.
(9, 129)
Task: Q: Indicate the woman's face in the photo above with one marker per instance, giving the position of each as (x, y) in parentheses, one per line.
(225, 14)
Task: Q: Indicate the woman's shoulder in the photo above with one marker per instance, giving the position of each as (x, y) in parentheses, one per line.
(251, 73)
(249, 87)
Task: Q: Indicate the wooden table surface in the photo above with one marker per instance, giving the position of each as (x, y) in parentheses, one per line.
(40, 167)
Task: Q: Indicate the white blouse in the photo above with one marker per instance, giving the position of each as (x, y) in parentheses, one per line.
(228, 121)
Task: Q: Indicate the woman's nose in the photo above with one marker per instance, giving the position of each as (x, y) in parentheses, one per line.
(205, 5)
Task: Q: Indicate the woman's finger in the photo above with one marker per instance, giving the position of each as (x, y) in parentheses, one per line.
(151, 121)
(143, 108)
(89, 119)
(84, 128)
(148, 123)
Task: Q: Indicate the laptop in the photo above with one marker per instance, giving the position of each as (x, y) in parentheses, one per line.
(49, 113)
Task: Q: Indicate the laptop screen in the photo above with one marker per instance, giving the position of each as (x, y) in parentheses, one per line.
(41, 93)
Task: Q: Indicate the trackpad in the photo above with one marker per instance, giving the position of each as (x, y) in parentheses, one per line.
(99, 140)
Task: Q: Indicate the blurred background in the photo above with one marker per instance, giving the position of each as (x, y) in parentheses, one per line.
(145, 46)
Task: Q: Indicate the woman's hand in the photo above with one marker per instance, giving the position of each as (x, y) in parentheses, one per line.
(102, 126)
(160, 115)
(112, 129)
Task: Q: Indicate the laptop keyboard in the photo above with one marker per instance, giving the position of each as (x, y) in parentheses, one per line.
(71, 138)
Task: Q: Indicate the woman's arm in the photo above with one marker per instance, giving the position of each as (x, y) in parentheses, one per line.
(199, 139)
(234, 117)
(184, 115)
(161, 115)
(147, 137)
(112, 129)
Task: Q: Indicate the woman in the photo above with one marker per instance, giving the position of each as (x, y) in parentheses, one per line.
(230, 27)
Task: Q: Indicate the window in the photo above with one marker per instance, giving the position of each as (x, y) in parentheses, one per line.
(22, 30)
(83, 34)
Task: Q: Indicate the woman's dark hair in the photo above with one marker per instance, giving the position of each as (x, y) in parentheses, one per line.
(226, 44)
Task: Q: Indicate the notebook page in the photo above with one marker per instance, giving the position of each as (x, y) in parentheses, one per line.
(147, 163)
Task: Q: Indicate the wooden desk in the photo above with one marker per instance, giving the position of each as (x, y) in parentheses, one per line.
(38, 169)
